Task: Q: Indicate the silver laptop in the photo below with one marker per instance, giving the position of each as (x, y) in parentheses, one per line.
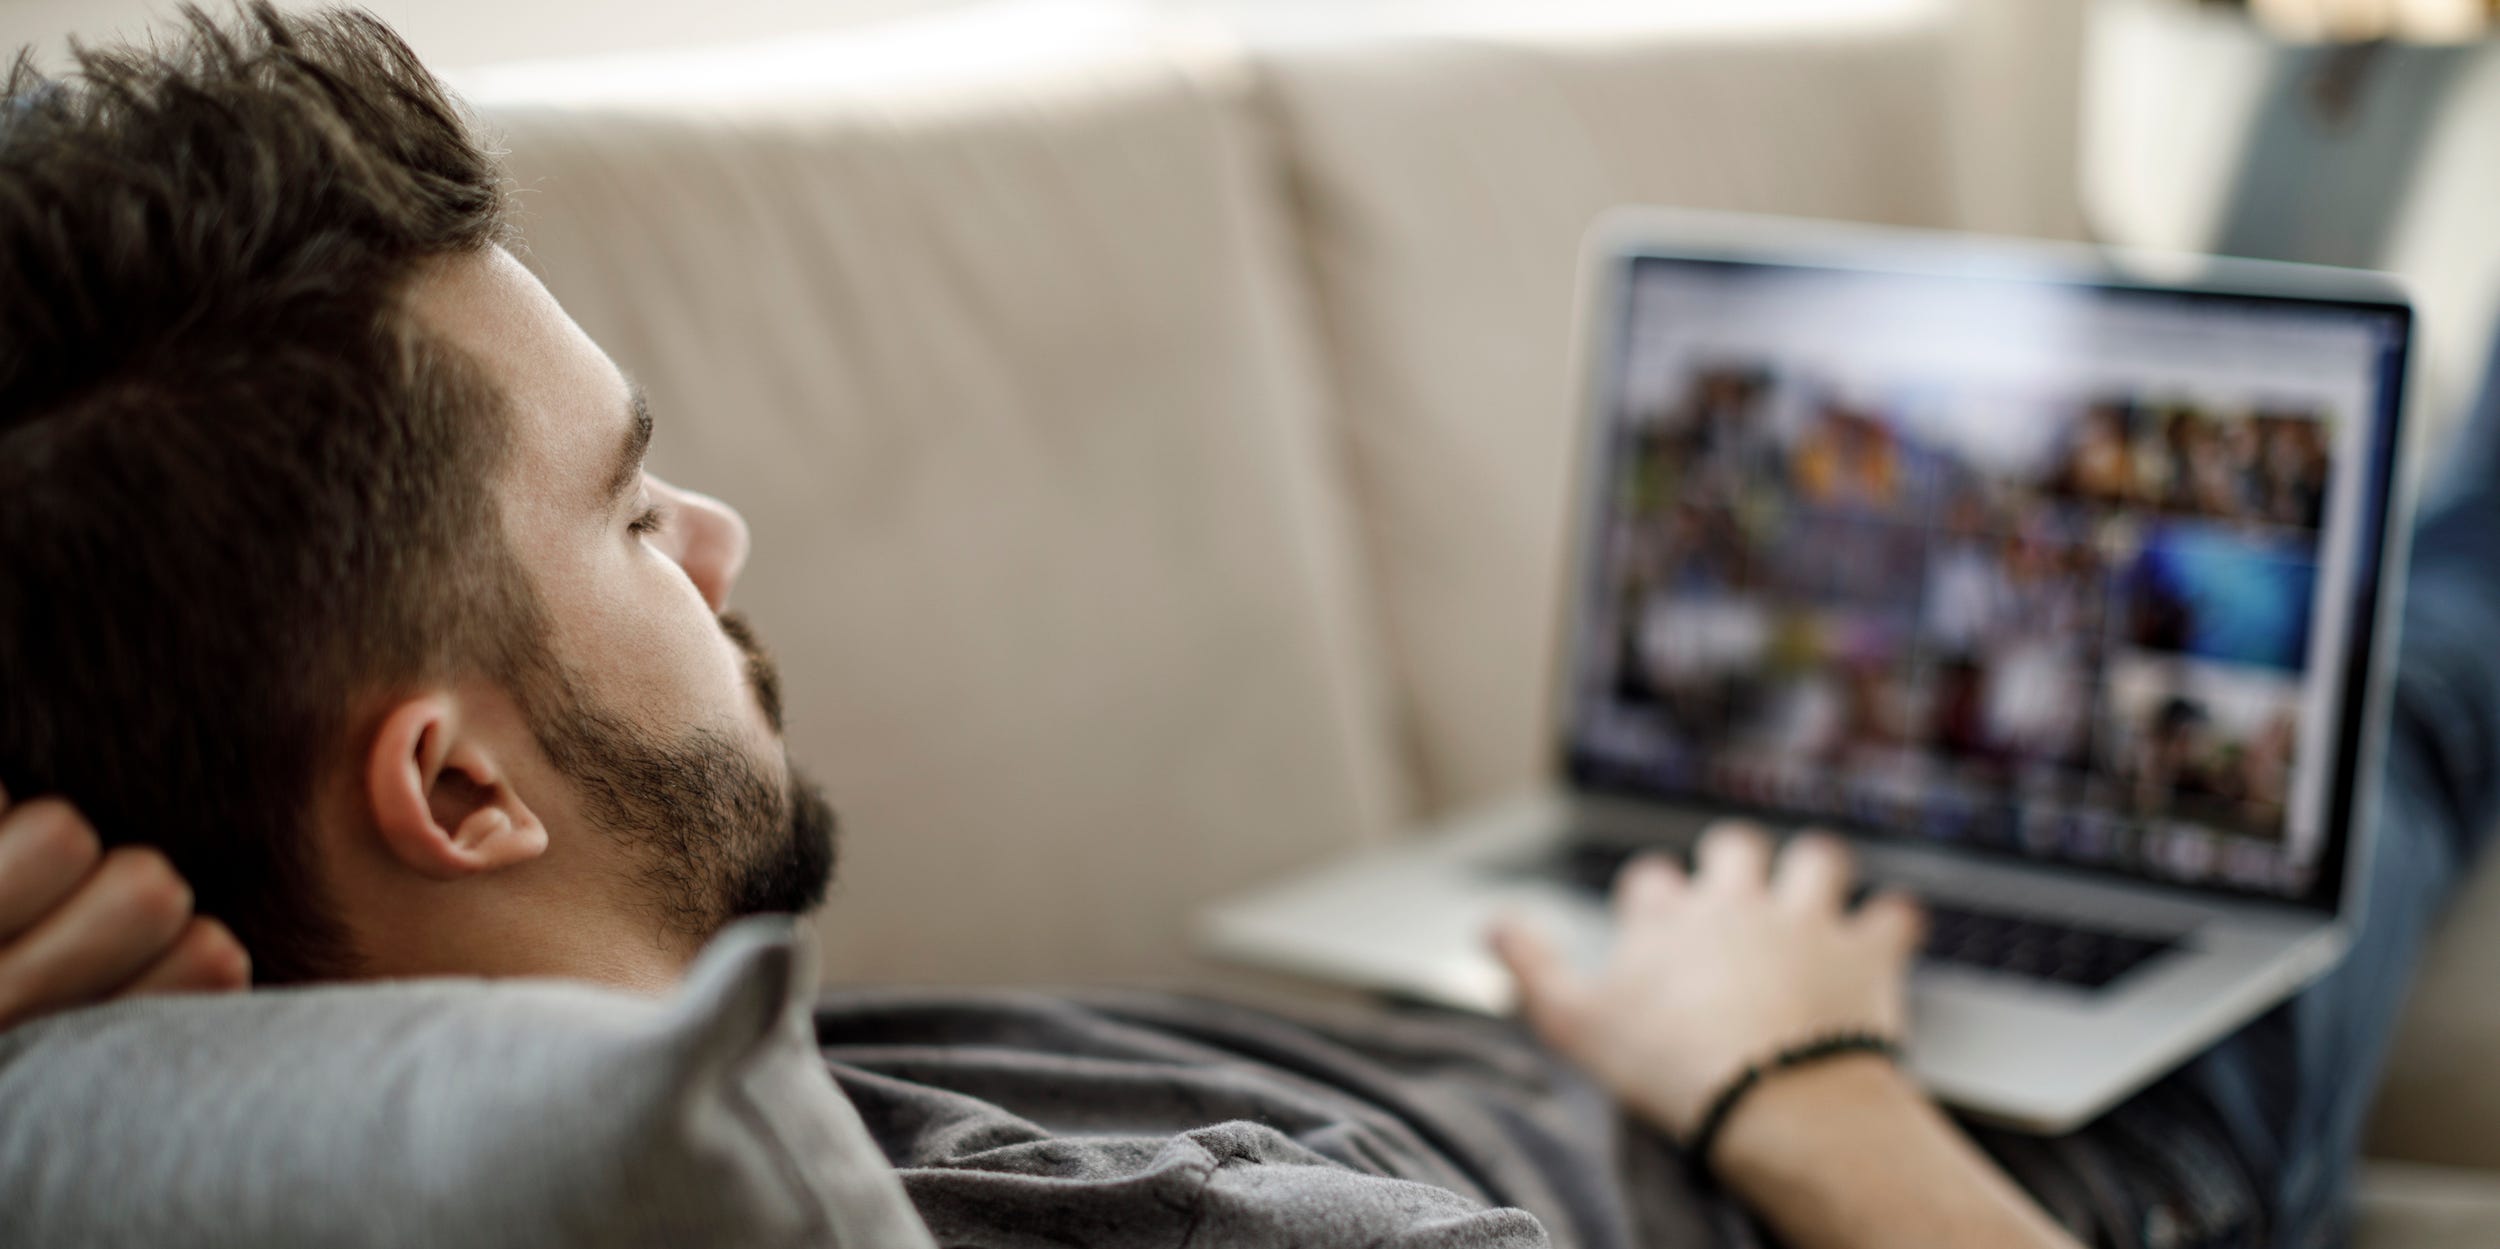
(2061, 582)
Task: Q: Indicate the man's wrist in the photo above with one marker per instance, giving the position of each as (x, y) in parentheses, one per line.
(1850, 1152)
(1801, 1124)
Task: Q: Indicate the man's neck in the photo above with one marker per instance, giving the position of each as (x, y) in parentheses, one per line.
(618, 951)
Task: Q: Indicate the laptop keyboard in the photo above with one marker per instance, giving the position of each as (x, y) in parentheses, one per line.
(2019, 945)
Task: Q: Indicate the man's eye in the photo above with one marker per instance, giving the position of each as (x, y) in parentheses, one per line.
(650, 521)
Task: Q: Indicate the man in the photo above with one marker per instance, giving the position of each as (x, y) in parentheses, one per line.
(450, 687)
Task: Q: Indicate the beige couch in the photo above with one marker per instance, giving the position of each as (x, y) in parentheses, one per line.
(1154, 432)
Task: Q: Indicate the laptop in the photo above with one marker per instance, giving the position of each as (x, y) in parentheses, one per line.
(2061, 582)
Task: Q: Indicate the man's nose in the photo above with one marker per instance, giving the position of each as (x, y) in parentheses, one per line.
(711, 541)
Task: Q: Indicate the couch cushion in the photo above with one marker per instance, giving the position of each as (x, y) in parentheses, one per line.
(519, 1114)
(2409, 1206)
(985, 322)
(1443, 185)
(2439, 1101)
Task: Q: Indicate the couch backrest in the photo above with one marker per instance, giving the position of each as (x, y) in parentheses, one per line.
(1442, 186)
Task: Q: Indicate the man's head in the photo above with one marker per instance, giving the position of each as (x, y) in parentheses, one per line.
(327, 559)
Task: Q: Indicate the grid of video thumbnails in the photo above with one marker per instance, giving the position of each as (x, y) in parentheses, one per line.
(2090, 650)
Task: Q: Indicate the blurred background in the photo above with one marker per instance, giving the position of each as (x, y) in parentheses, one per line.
(1154, 414)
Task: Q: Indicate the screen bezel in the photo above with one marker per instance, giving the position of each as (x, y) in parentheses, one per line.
(1620, 246)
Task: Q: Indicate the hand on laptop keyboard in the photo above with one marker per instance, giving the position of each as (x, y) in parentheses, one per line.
(1719, 968)
(2076, 955)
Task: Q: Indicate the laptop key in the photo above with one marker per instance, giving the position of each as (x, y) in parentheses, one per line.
(2018, 945)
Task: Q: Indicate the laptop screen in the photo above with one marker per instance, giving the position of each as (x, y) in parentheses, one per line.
(2081, 573)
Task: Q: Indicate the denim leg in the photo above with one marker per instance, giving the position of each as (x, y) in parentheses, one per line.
(2292, 1090)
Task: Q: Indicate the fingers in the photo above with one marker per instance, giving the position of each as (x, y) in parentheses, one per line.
(1647, 882)
(1552, 994)
(1814, 873)
(206, 958)
(77, 924)
(113, 928)
(1732, 854)
(45, 851)
(1897, 919)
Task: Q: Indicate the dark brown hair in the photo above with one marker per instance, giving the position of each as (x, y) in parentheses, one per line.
(238, 488)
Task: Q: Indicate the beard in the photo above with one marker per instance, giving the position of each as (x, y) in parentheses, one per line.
(714, 837)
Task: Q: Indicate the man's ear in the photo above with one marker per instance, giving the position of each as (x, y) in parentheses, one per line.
(441, 798)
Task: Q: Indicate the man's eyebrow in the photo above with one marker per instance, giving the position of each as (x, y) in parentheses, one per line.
(637, 443)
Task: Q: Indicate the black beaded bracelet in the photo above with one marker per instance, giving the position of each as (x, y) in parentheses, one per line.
(1714, 1120)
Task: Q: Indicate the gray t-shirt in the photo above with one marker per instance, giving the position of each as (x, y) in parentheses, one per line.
(1122, 1120)
(1132, 1120)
